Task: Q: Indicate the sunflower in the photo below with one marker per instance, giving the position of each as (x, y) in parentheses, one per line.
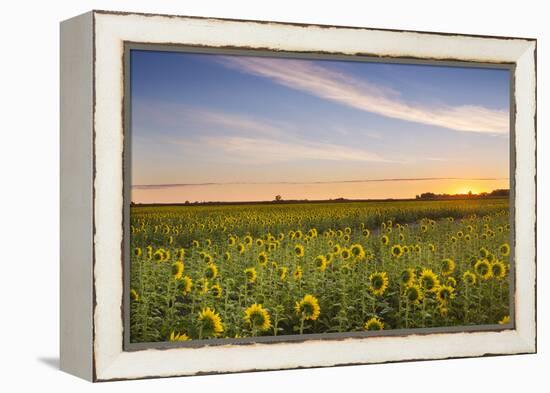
(483, 269)
(378, 283)
(374, 324)
(401, 237)
(202, 286)
(308, 308)
(445, 293)
(336, 249)
(257, 317)
(396, 250)
(259, 242)
(178, 336)
(424, 228)
(211, 271)
(366, 233)
(231, 241)
(483, 252)
(321, 262)
(159, 255)
(195, 243)
(216, 291)
(407, 277)
(282, 271)
(262, 258)
(431, 247)
(345, 253)
(357, 251)
(210, 322)
(137, 252)
(299, 250)
(504, 249)
(429, 280)
(281, 237)
(498, 270)
(469, 278)
(149, 252)
(417, 248)
(451, 281)
(134, 295)
(208, 258)
(240, 248)
(227, 256)
(186, 284)
(248, 240)
(505, 320)
(414, 294)
(177, 270)
(250, 274)
(297, 274)
(448, 266)
(385, 240)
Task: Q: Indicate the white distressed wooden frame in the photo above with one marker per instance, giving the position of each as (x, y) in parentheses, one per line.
(92, 48)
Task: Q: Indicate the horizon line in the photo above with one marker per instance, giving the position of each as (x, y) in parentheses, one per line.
(174, 185)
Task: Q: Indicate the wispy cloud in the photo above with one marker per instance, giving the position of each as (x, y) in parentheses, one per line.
(360, 94)
(407, 179)
(270, 150)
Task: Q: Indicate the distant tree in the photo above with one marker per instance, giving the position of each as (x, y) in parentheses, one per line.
(187, 202)
(278, 198)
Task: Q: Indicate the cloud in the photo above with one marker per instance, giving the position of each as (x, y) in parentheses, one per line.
(363, 95)
(269, 150)
(404, 179)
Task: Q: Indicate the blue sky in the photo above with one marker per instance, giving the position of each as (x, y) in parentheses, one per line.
(200, 118)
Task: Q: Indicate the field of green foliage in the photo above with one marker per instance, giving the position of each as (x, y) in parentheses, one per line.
(227, 271)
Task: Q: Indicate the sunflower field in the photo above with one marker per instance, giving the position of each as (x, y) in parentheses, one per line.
(231, 271)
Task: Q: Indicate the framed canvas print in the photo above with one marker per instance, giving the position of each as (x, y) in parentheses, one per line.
(246, 195)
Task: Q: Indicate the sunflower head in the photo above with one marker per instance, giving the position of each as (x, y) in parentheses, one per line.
(396, 250)
(321, 262)
(483, 252)
(357, 251)
(483, 269)
(297, 274)
(447, 266)
(498, 270)
(424, 228)
(185, 284)
(134, 295)
(240, 248)
(374, 324)
(177, 270)
(445, 293)
(248, 240)
(469, 278)
(210, 322)
(195, 243)
(251, 275)
(378, 283)
(227, 256)
(366, 233)
(336, 249)
(385, 240)
(178, 337)
(257, 317)
(504, 249)
(414, 294)
(505, 320)
(308, 308)
(407, 276)
(428, 280)
(259, 242)
(216, 291)
(282, 271)
(345, 253)
(299, 250)
(160, 255)
(431, 247)
(211, 271)
(262, 258)
(451, 281)
(137, 252)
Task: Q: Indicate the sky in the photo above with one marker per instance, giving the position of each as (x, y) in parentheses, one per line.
(208, 127)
